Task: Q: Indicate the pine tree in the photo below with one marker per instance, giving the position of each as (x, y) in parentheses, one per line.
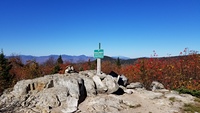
(56, 69)
(118, 62)
(89, 64)
(5, 76)
(5, 67)
(59, 60)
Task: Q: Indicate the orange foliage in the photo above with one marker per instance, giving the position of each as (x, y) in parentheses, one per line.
(172, 72)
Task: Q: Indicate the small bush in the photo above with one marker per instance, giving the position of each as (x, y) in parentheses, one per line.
(195, 93)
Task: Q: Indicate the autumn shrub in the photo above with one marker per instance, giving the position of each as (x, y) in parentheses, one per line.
(172, 72)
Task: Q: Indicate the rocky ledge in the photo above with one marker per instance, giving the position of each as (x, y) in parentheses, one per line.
(86, 92)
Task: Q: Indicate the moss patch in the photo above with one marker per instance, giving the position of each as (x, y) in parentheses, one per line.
(172, 99)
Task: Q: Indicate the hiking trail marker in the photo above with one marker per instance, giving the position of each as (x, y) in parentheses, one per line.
(99, 54)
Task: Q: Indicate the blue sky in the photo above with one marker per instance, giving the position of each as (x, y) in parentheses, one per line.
(132, 28)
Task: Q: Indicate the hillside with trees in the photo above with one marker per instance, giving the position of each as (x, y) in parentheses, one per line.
(177, 72)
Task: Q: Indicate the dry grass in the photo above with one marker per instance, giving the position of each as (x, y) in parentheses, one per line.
(192, 108)
(197, 100)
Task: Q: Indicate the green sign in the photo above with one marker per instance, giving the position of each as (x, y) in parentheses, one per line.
(99, 53)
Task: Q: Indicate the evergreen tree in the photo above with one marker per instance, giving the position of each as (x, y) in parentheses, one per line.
(56, 69)
(57, 66)
(5, 67)
(59, 60)
(5, 76)
(118, 62)
(89, 64)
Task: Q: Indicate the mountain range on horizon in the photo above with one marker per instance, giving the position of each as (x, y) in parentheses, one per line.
(84, 58)
(65, 58)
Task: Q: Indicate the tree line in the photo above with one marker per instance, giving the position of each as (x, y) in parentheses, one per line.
(182, 71)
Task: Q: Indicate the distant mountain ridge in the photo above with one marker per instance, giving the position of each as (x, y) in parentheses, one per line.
(121, 57)
(68, 58)
(65, 58)
(84, 58)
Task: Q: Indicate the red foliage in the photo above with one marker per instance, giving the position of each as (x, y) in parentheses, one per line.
(182, 71)
(173, 72)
